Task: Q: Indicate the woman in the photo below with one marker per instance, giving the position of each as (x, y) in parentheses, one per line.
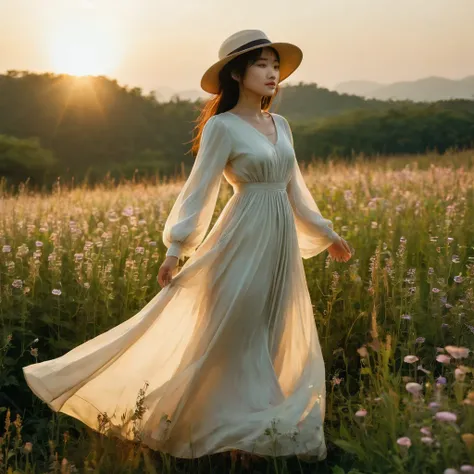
(227, 353)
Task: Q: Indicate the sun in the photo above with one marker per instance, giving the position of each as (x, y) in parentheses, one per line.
(79, 49)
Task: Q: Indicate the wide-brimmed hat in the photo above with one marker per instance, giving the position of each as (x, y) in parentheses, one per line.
(246, 40)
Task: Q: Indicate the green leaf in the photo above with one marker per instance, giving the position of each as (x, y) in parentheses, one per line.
(349, 447)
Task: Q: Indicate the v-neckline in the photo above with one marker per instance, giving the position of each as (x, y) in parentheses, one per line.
(258, 131)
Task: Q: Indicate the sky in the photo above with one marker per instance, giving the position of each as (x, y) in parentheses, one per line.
(170, 43)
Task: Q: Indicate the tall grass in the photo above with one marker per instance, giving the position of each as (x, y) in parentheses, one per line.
(396, 322)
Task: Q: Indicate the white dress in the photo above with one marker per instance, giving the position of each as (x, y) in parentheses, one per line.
(228, 352)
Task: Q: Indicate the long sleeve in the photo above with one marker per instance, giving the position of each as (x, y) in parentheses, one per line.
(315, 233)
(192, 211)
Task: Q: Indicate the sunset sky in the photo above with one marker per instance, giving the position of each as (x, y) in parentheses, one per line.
(157, 43)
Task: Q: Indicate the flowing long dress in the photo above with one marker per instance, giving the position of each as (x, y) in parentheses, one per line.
(228, 351)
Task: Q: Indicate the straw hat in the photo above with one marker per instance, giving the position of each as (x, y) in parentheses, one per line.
(246, 40)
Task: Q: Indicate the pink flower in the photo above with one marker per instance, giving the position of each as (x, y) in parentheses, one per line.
(446, 416)
(410, 359)
(460, 374)
(363, 351)
(28, 447)
(427, 440)
(404, 441)
(457, 352)
(361, 413)
(443, 358)
(426, 431)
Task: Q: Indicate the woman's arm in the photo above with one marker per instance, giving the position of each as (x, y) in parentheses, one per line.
(192, 211)
(315, 233)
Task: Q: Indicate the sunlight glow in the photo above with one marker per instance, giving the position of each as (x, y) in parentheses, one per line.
(79, 47)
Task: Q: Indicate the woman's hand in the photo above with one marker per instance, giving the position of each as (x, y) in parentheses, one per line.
(340, 250)
(165, 273)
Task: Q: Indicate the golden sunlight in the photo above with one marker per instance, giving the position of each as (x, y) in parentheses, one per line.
(80, 48)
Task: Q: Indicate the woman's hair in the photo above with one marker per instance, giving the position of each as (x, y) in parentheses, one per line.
(228, 95)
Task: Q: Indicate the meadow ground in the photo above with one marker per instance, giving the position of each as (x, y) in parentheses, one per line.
(396, 322)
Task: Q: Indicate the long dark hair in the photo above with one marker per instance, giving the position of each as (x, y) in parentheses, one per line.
(228, 95)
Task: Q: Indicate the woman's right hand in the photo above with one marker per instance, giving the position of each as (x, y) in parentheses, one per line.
(165, 273)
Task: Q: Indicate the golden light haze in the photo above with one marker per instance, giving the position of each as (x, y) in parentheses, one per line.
(156, 43)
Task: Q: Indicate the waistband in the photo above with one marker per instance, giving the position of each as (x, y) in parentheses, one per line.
(257, 186)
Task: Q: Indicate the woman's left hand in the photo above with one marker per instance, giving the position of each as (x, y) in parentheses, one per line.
(340, 250)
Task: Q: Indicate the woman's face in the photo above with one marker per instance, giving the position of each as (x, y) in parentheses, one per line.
(262, 72)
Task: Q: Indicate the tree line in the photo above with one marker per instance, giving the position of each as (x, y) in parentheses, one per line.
(85, 128)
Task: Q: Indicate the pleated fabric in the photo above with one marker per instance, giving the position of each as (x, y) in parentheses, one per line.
(228, 352)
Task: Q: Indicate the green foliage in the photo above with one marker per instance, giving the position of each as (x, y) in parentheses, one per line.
(22, 159)
(396, 131)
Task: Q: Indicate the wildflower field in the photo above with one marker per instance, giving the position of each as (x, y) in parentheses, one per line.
(396, 322)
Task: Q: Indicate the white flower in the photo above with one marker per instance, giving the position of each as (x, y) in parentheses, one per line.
(56, 292)
(413, 387)
(410, 359)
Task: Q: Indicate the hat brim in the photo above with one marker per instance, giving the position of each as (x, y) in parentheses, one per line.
(290, 58)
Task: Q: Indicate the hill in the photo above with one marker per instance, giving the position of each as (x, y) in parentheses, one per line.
(428, 89)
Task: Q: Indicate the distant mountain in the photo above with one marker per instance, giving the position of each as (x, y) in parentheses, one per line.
(429, 89)
(360, 88)
(165, 94)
